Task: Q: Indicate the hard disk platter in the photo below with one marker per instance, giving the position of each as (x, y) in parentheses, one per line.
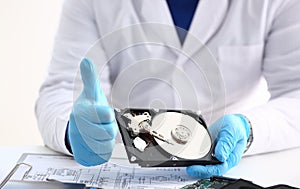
(160, 137)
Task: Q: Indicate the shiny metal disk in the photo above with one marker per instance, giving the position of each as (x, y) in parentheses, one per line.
(188, 138)
(181, 134)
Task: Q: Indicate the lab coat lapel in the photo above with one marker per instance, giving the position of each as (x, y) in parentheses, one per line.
(207, 20)
(157, 12)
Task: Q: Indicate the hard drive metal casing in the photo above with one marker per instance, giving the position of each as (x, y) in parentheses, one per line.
(154, 155)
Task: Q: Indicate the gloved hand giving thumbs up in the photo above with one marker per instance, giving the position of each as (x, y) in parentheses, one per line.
(92, 128)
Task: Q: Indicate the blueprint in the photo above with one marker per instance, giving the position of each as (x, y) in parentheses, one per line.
(109, 175)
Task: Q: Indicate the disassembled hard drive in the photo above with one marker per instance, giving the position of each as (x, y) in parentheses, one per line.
(158, 137)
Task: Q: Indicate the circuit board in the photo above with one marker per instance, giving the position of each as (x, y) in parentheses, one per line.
(212, 183)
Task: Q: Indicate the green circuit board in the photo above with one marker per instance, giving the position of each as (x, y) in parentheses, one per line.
(212, 183)
(202, 184)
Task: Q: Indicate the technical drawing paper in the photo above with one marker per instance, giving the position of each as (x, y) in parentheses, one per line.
(109, 175)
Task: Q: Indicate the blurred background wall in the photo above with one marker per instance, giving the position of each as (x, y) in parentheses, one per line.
(27, 31)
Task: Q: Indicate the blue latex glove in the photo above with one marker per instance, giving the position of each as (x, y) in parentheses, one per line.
(230, 134)
(92, 128)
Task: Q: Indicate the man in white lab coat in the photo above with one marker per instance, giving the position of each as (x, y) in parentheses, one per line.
(254, 42)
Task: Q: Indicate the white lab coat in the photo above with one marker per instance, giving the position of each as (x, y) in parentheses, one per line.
(254, 42)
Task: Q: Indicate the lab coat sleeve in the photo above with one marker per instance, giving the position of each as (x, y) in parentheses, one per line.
(76, 33)
(276, 124)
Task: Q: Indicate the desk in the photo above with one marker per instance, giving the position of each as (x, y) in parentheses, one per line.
(266, 170)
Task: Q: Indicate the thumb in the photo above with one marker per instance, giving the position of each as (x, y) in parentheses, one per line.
(91, 83)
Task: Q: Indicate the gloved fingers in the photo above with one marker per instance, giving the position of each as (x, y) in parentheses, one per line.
(99, 132)
(228, 142)
(89, 158)
(207, 171)
(105, 114)
(91, 83)
(214, 128)
(105, 157)
(236, 154)
(225, 145)
(83, 147)
(222, 126)
(229, 134)
(95, 113)
(100, 147)
(111, 129)
(231, 143)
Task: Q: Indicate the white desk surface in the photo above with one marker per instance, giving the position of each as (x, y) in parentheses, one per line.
(266, 170)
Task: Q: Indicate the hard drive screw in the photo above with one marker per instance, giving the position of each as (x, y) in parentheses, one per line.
(133, 158)
(198, 112)
(156, 110)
